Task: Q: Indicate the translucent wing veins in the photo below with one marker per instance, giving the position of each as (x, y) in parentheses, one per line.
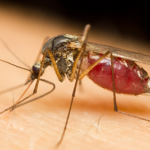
(117, 52)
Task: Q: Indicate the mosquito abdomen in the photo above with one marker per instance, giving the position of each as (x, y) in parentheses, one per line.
(130, 78)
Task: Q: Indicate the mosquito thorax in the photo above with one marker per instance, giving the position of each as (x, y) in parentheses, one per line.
(64, 56)
(36, 69)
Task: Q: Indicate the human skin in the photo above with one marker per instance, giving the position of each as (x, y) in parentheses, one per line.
(92, 125)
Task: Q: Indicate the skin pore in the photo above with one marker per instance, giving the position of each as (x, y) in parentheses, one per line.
(39, 125)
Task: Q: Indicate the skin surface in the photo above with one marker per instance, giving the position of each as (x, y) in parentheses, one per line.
(39, 125)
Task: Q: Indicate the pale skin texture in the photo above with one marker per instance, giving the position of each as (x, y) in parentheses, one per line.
(39, 125)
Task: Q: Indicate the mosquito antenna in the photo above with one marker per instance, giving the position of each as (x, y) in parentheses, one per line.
(84, 38)
(15, 65)
(14, 53)
(13, 88)
(46, 81)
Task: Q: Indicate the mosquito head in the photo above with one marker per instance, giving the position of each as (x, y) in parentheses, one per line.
(36, 70)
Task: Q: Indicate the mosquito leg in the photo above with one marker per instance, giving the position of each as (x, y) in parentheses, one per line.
(18, 99)
(45, 40)
(73, 95)
(75, 65)
(75, 86)
(60, 78)
(114, 95)
(84, 37)
(13, 88)
(93, 65)
(13, 106)
(20, 103)
(24, 92)
(54, 65)
(113, 82)
(16, 105)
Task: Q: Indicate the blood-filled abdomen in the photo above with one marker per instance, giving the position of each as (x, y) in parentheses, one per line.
(129, 77)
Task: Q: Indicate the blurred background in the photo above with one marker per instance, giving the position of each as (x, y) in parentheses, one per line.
(130, 20)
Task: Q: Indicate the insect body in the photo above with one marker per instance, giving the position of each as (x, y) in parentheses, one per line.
(129, 77)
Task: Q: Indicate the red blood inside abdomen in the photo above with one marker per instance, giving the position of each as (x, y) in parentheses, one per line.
(128, 76)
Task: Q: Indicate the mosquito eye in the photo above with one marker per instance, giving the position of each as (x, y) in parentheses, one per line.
(35, 70)
(36, 67)
(58, 41)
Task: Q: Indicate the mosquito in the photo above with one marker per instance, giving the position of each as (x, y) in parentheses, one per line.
(72, 56)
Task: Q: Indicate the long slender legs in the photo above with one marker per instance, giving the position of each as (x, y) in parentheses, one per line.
(93, 65)
(84, 37)
(17, 100)
(21, 102)
(39, 53)
(83, 47)
(60, 78)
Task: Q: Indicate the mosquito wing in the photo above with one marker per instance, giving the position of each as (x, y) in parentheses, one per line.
(117, 52)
